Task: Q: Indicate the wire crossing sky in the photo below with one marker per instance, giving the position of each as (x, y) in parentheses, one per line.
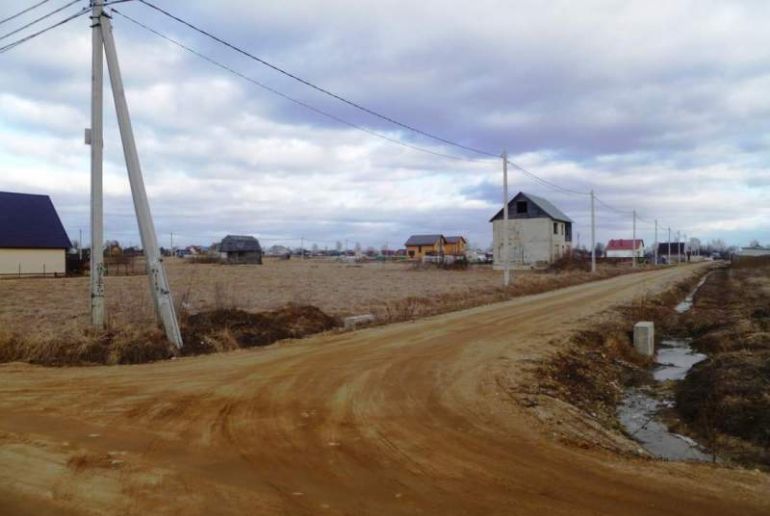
(586, 106)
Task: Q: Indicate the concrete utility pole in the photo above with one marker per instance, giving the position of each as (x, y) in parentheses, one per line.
(669, 245)
(633, 244)
(95, 138)
(655, 249)
(678, 249)
(302, 247)
(159, 287)
(80, 244)
(593, 234)
(171, 244)
(506, 255)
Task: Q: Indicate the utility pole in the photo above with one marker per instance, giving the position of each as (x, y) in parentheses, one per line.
(678, 250)
(655, 249)
(302, 247)
(669, 245)
(506, 265)
(95, 138)
(156, 272)
(171, 244)
(633, 244)
(593, 234)
(80, 244)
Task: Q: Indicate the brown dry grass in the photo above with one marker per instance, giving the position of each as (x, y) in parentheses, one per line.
(392, 291)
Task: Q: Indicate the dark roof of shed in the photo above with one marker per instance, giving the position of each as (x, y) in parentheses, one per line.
(30, 221)
(544, 204)
(239, 243)
(423, 239)
(663, 247)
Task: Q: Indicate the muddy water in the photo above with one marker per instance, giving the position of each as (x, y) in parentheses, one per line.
(638, 413)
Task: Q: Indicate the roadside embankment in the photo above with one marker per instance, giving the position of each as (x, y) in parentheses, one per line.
(725, 400)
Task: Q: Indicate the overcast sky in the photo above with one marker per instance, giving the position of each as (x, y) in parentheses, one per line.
(659, 106)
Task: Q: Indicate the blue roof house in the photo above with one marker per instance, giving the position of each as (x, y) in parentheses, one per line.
(32, 238)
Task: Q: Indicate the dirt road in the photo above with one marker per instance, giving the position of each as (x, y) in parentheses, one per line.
(413, 418)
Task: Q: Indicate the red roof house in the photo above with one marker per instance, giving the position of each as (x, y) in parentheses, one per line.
(625, 248)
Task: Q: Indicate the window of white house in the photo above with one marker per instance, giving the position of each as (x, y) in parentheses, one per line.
(521, 207)
(555, 228)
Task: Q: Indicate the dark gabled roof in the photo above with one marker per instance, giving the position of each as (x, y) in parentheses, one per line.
(454, 239)
(544, 204)
(239, 243)
(30, 221)
(423, 239)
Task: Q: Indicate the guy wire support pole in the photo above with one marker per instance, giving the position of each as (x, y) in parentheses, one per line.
(633, 244)
(593, 234)
(506, 255)
(95, 138)
(156, 273)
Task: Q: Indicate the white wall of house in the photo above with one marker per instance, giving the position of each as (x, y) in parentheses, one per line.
(625, 253)
(755, 251)
(32, 261)
(531, 241)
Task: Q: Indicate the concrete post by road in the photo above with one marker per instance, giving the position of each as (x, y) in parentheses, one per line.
(159, 286)
(96, 140)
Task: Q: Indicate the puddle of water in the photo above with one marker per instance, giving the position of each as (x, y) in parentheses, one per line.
(686, 305)
(638, 413)
(675, 358)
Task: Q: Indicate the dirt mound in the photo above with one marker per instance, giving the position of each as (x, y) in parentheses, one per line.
(730, 393)
(221, 330)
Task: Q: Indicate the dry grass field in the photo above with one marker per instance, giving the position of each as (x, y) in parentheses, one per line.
(390, 290)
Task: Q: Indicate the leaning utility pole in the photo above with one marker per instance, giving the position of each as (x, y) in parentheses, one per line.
(156, 273)
(593, 234)
(633, 244)
(506, 255)
(94, 137)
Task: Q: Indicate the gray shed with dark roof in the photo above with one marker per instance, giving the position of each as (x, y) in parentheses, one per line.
(241, 249)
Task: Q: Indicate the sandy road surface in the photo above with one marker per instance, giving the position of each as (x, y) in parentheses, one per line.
(413, 418)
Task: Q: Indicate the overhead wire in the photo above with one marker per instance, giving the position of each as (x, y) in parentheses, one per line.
(285, 96)
(315, 86)
(329, 93)
(34, 35)
(24, 11)
(38, 20)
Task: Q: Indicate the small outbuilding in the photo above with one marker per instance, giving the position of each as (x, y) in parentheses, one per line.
(32, 238)
(241, 249)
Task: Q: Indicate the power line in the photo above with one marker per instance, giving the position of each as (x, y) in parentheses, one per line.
(545, 181)
(28, 9)
(283, 95)
(319, 111)
(18, 42)
(316, 87)
(38, 20)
